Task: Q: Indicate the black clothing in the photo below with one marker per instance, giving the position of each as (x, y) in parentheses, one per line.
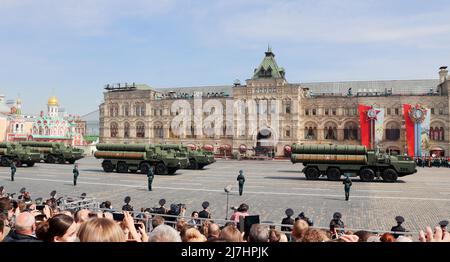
(287, 221)
(347, 184)
(150, 177)
(241, 180)
(398, 228)
(127, 207)
(204, 214)
(15, 237)
(336, 224)
(75, 176)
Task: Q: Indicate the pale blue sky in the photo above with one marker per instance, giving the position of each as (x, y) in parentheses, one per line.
(74, 47)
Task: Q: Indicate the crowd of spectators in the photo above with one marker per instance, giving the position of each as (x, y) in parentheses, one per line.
(25, 220)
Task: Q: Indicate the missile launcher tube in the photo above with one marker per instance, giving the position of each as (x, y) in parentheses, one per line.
(329, 159)
(123, 147)
(120, 155)
(329, 149)
(38, 144)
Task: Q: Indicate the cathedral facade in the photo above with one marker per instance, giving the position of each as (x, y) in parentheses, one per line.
(267, 114)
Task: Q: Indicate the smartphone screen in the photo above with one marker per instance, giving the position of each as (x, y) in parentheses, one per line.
(40, 207)
(118, 216)
(137, 226)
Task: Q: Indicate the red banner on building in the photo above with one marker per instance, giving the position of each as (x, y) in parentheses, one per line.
(409, 124)
(364, 124)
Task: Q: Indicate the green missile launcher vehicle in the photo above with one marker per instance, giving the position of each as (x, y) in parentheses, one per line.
(333, 161)
(198, 159)
(20, 155)
(52, 152)
(140, 157)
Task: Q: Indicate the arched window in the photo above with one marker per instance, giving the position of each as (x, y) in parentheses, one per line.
(158, 131)
(41, 131)
(330, 131)
(431, 133)
(47, 131)
(310, 131)
(140, 129)
(392, 132)
(126, 130)
(350, 131)
(114, 129)
(441, 134)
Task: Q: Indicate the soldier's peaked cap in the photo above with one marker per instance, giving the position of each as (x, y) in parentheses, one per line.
(399, 219)
(289, 212)
(127, 199)
(443, 223)
(53, 193)
(22, 190)
(205, 204)
(162, 202)
(337, 215)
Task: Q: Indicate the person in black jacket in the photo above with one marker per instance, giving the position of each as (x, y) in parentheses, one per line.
(288, 220)
(398, 227)
(205, 213)
(24, 229)
(336, 225)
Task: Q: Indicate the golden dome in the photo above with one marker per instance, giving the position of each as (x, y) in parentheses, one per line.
(53, 101)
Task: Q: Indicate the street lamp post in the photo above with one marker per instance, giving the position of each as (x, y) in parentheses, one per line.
(227, 190)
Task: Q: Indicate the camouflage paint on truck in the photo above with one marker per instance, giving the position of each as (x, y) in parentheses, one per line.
(20, 155)
(52, 152)
(198, 159)
(139, 157)
(333, 161)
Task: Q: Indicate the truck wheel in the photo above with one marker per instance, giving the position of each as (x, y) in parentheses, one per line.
(312, 173)
(122, 167)
(201, 166)
(366, 175)
(193, 164)
(161, 169)
(72, 161)
(389, 175)
(333, 174)
(5, 161)
(30, 164)
(107, 166)
(61, 160)
(145, 167)
(50, 159)
(171, 170)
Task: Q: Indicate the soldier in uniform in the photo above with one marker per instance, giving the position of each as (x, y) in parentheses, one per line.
(399, 227)
(347, 184)
(75, 174)
(241, 180)
(13, 170)
(150, 178)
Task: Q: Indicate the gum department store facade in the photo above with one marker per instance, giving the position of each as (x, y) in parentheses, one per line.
(309, 112)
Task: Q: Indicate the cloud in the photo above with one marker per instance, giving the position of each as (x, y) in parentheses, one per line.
(79, 16)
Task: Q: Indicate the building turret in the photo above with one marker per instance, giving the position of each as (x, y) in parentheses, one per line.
(53, 107)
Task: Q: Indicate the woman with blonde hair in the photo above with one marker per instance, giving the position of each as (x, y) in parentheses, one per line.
(193, 235)
(101, 230)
